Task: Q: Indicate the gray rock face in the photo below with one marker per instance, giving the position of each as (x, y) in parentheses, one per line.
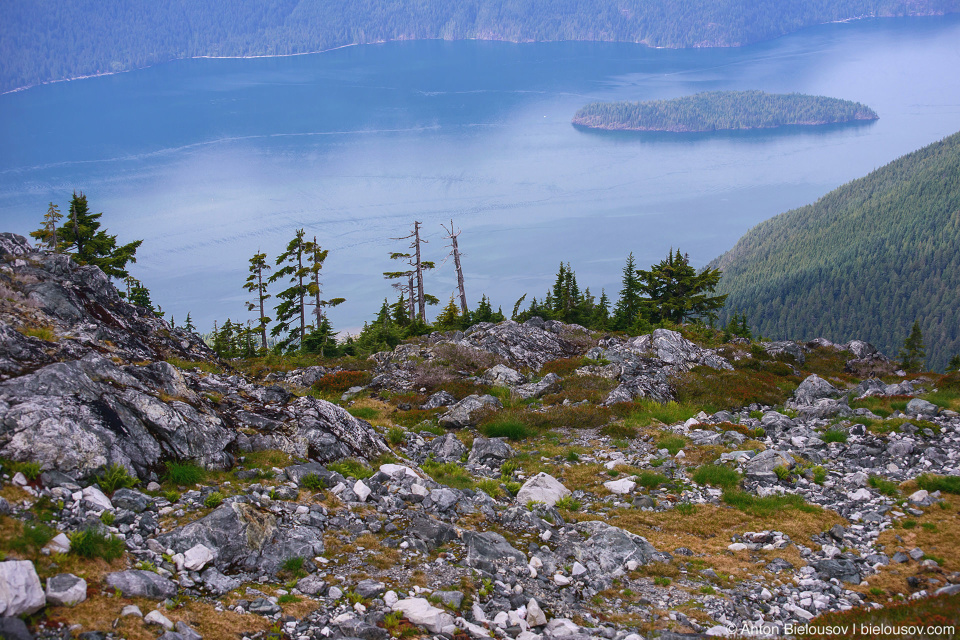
(14, 629)
(217, 583)
(20, 590)
(921, 407)
(502, 375)
(491, 452)
(327, 432)
(765, 462)
(611, 547)
(468, 411)
(486, 551)
(814, 388)
(66, 589)
(447, 448)
(131, 500)
(842, 570)
(549, 384)
(785, 347)
(141, 584)
(526, 345)
(437, 400)
(243, 537)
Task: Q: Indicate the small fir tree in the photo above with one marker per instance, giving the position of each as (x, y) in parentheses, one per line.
(83, 239)
(255, 284)
(912, 354)
(292, 304)
(48, 232)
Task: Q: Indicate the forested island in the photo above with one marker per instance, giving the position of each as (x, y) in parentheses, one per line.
(42, 40)
(721, 111)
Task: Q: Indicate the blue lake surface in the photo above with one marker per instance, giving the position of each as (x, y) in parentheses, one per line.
(210, 160)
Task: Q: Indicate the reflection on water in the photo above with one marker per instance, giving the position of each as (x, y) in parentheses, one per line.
(210, 161)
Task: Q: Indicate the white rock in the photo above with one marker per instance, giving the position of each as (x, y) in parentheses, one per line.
(620, 487)
(390, 598)
(155, 617)
(196, 557)
(335, 593)
(561, 627)
(919, 496)
(528, 635)
(131, 610)
(561, 580)
(502, 619)
(736, 546)
(718, 630)
(830, 551)
(478, 613)
(632, 565)
(363, 491)
(680, 454)
(390, 469)
(542, 488)
(19, 479)
(536, 562)
(178, 559)
(546, 535)
(96, 497)
(66, 590)
(418, 489)
(474, 630)
(423, 614)
(765, 595)
(20, 589)
(860, 495)
(59, 544)
(535, 615)
(578, 569)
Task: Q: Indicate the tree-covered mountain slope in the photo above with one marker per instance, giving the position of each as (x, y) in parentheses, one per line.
(44, 40)
(865, 260)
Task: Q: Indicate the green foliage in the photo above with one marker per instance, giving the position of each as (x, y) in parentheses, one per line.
(512, 487)
(569, 503)
(292, 310)
(293, 567)
(721, 110)
(886, 487)
(819, 474)
(619, 430)
(912, 354)
(661, 581)
(91, 544)
(364, 413)
(782, 472)
(30, 470)
(651, 480)
(671, 443)
(108, 517)
(448, 473)
(717, 475)
(491, 487)
(506, 427)
(686, 508)
(673, 291)
(768, 506)
(31, 539)
(909, 524)
(313, 482)
(81, 238)
(115, 477)
(213, 500)
(834, 435)
(184, 473)
(288, 598)
(646, 412)
(792, 274)
(396, 436)
(256, 285)
(350, 467)
(944, 484)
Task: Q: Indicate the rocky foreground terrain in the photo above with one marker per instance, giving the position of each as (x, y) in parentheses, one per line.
(514, 480)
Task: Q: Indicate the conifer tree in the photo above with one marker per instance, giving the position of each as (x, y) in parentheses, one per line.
(455, 252)
(315, 257)
(48, 232)
(292, 299)
(419, 299)
(83, 239)
(913, 354)
(628, 305)
(954, 363)
(449, 317)
(188, 325)
(255, 284)
(673, 291)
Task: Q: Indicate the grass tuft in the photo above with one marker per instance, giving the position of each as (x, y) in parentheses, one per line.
(717, 476)
(944, 484)
(184, 473)
(91, 544)
(115, 477)
(768, 506)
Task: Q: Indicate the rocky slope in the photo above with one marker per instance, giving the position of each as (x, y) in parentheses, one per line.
(263, 510)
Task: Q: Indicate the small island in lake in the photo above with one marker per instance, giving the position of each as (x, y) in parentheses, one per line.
(721, 111)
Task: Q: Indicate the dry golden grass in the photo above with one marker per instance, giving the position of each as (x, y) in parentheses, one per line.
(13, 494)
(589, 477)
(378, 555)
(99, 613)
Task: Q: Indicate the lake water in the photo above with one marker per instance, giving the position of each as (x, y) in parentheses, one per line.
(210, 160)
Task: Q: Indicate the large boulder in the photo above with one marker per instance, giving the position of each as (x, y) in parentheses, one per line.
(138, 583)
(763, 464)
(423, 614)
(550, 383)
(814, 388)
(468, 411)
(529, 345)
(542, 488)
(920, 407)
(242, 537)
(447, 448)
(66, 589)
(503, 376)
(491, 452)
(612, 548)
(488, 550)
(20, 589)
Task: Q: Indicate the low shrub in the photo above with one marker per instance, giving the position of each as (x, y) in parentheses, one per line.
(717, 475)
(213, 500)
(184, 473)
(313, 482)
(782, 472)
(686, 508)
(834, 435)
(569, 503)
(819, 474)
(650, 479)
(31, 539)
(671, 443)
(115, 477)
(92, 544)
(341, 381)
(768, 506)
(396, 436)
(491, 487)
(619, 430)
(364, 413)
(350, 467)
(293, 567)
(886, 487)
(944, 484)
(448, 473)
(506, 427)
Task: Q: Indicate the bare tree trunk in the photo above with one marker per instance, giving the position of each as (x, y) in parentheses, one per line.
(303, 306)
(421, 301)
(455, 251)
(411, 306)
(263, 314)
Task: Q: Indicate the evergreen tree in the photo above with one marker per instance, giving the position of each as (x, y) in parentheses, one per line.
(315, 257)
(255, 284)
(954, 363)
(600, 316)
(83, 239)
(673, 291)
(912, 354)
(188, 325)
(48, 232)
(322, 340)
(292, 299)
(628, 305)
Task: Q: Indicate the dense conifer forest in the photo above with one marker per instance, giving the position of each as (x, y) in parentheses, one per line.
(721, 110)
(865, 261)
(45, 40)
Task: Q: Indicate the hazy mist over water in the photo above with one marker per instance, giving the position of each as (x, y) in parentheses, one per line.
(210, 160)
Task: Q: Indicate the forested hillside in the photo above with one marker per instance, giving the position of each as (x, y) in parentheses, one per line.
(44, 40)
(721, 110)
(864, 261)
